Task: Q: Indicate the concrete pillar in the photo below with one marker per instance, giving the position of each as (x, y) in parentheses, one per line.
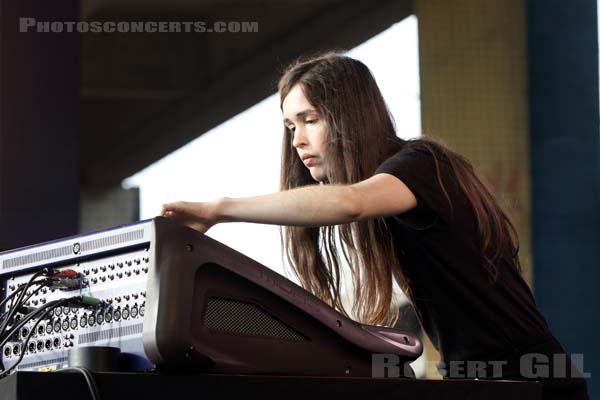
(473, 67)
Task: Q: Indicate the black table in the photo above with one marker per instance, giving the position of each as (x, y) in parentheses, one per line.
(134, 386)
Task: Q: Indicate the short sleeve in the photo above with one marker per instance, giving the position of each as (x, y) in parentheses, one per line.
(417, 170)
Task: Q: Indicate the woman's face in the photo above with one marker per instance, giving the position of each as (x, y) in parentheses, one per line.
(309, 130)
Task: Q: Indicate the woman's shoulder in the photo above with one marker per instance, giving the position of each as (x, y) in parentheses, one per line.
(419, 156)
(423, 166)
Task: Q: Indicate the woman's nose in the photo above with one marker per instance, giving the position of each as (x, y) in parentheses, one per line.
(299, 137)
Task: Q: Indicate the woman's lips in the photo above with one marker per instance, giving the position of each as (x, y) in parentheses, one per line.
(309, 161)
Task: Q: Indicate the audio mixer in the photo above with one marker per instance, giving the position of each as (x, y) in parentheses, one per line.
(172, 298)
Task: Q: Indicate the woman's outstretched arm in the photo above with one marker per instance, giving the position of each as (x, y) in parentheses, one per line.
(313, 205)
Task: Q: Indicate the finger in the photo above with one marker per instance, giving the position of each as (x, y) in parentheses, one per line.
(168, 207)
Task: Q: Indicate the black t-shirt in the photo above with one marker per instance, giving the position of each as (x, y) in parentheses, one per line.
(466, 316)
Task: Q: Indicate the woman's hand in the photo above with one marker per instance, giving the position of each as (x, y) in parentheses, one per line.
(198, 216)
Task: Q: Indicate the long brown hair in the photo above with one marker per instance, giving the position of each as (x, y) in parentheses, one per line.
(361, 136)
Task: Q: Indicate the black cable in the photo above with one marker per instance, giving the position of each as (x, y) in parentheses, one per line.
(89, 379)
(78, 300)
(81, 301)
(6, 318)
(24, 321)
(12, 295)
(19, 324)
(17, 291)
(48, 307)
(12, 311)
(43, 283)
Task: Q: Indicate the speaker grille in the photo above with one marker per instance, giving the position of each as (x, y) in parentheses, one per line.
(234, 316)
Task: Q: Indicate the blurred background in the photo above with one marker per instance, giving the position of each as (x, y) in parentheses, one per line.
(98, 129)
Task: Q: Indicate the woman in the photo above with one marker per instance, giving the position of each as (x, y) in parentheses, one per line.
(412, 211)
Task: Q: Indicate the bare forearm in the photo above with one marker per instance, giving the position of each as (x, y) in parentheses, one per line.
(314, 205)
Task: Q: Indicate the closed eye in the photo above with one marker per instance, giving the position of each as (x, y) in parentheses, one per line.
(310, 121)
